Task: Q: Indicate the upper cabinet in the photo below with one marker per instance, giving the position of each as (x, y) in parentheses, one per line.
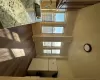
(74, 4)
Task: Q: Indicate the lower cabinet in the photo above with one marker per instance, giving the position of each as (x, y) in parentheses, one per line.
(43, 68)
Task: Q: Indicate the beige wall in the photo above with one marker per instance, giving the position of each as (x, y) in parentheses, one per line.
(87, 30)
(64, 71)
(70, 21)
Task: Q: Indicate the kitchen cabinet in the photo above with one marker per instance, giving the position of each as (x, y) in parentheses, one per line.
(43, 67)
(52, 65)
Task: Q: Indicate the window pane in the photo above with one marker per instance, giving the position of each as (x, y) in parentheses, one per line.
(58, 30)
(47, 51)
(55, 51)
(47, 17)
(56, 44)
(46, 29)
(60, 17)
(47, 44)
(60, 9)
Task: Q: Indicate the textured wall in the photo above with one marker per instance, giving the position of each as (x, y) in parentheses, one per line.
(13, 13)
(87, 30)
(70, 21)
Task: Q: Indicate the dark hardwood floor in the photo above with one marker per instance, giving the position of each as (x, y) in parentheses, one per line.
(16, 50)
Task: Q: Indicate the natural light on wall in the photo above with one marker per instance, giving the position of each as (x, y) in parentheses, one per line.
(16, 37)
(2, 33)
(49, 29)
(18, 52)
(8, 54)
(8, 34)
(5, 54)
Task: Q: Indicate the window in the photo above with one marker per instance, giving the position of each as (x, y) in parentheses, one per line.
(52, 44)
(47, 51)
(46, 29)
(47, 44)
(55, 51)
(47, 17)
(58, 30)
(56, 44)
(60, 17)
(51, 17)
(52, 51)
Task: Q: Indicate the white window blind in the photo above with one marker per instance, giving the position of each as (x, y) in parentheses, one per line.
(56, 44)
(47, 44)
(47, 51)
(48, 17)
(55, 51)
(46, 29)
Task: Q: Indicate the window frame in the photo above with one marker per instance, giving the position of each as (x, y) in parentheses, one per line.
(45, 14)
(51, 50)
(52, 44)
(47, 50)
(52, 32)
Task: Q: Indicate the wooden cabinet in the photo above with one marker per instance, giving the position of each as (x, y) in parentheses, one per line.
(37, 65)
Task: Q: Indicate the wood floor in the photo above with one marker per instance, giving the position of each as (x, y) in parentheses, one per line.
(16, 50)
